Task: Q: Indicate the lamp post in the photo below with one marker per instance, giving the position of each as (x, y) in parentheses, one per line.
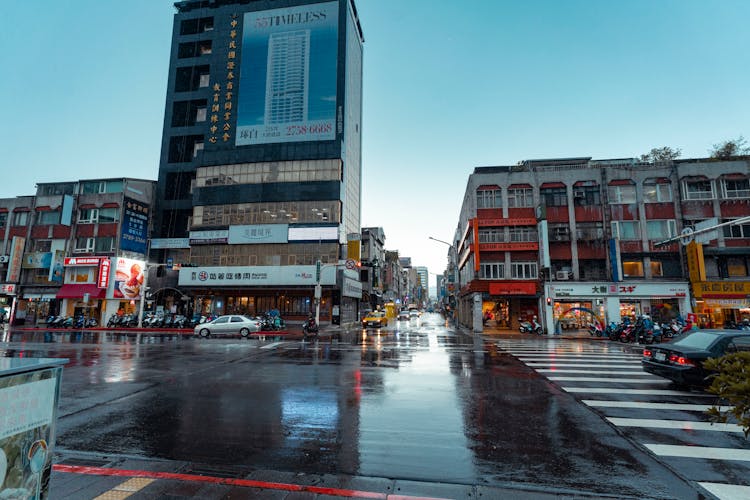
(456, 274)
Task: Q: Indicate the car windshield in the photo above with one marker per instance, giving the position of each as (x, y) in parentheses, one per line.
(698, 340)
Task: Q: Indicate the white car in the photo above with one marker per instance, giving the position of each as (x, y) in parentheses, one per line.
(231, 324)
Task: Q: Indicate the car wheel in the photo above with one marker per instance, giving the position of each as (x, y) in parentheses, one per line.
(244, 332)
(204, 332)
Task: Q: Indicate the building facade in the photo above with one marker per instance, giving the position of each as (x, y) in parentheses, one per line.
(260, 170)
(565, 238)
(72, 247)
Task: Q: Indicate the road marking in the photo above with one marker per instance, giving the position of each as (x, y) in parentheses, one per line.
(674, 424)
(653, 380)
(576, 356)
(670, 450)
(727, 491)
(271, 345)
(649, 392)
(126, 489)
(650, 406)
(583, 365)
(597, 372)
(247, 483)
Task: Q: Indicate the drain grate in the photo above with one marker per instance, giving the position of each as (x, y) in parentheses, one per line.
(228, 471)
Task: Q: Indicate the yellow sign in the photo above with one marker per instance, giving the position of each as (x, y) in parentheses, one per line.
(695, 262)
(722, 289)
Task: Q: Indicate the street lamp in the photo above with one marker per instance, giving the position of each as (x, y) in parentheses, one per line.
(456, 274)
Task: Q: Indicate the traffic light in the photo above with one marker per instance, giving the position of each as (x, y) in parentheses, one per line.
(549, 301)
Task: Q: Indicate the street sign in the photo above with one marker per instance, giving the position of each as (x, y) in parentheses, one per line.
(686, 236)
(703, 228)
(351, 264)
(317, 272)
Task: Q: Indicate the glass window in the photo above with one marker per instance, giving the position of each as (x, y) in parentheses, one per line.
(632, 268)
(660, 229)
(737, 230)
(489, 198)
(736, 267)
(626, 230)
(587, 196)
(94, 187)
(41, 245)
(656, 268)
(523, 234)
(699, 190)
(555, 197)
(20, 218)
(109, 215)
(48, 218)
(3, 219)
(590, 231)
(622, 194)
(523, 270)
(559, 232)
(520, 197)
(105, 244)
(88, 215)
(492, 270)
(657, 193)
(491, 235)
(739, 188)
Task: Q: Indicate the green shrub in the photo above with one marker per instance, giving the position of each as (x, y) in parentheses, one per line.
(731, 382)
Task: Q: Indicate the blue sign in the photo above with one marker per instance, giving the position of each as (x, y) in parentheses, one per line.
(134, 234)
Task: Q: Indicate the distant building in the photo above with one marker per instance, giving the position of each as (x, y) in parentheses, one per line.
(260, 170)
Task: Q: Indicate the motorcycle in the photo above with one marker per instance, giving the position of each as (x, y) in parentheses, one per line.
(531, 327)
(596, 330)
(309, 328)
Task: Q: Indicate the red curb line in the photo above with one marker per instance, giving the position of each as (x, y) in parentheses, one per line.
(248, 483)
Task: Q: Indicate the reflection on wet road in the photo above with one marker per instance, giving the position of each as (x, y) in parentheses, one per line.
(413, 401)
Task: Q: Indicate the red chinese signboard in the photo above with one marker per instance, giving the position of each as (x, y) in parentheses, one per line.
(512, 288)
(104, 270)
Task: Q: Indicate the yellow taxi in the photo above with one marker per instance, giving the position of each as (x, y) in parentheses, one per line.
(375, 319)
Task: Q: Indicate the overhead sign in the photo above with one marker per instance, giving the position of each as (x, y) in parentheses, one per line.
(255, 276)
(82, 261)
(257, 234)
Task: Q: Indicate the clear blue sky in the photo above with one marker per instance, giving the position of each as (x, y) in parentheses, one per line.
(448, 86)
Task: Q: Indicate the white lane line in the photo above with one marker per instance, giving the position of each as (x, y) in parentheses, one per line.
(646, 392)
(650, 406)
(538, 354)
(622, 366)
(727, 491)
(653, 380)
(597, 372)
(271, 345)
(686, 425)
(672, 450)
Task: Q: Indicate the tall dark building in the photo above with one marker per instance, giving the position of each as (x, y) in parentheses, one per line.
(260, 168)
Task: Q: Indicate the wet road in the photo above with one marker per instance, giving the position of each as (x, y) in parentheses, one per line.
(414, 401)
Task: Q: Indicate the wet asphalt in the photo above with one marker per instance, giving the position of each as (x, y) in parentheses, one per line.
(415, 402)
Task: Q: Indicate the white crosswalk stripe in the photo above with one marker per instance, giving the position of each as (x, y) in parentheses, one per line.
(629, 393)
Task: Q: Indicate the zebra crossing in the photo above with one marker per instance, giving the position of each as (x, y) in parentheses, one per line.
(670, 423)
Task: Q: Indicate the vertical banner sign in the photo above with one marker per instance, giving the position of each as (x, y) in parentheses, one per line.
(696, 265)
(615, 259)
(104, 270)
(16, 259)
(56, 269)
(134, 232)
(544, 244)
(287, 90)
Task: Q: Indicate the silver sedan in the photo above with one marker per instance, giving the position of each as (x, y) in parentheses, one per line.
(231, 324)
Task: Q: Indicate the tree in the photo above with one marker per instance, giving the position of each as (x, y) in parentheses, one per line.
(731, 383)
(661, 154)
(730, 148)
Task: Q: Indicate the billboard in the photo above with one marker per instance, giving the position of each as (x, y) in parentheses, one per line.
(287, 90)
(134, 226)
(128, 278)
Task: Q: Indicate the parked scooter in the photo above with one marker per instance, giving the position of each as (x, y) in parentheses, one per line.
(532, 327)
(310, 328)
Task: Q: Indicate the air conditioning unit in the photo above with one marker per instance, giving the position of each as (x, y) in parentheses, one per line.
(579, 194)
(562, 275)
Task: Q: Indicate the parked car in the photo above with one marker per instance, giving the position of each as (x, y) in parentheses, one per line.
(681, 361)
(376, 319)
(231, 324)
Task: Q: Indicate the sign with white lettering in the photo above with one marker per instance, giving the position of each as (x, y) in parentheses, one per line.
(255, 276)
(260, 233)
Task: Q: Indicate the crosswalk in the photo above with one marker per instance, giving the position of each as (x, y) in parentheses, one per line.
(646, 408)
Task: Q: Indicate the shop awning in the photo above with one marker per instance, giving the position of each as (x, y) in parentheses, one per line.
(73, 291)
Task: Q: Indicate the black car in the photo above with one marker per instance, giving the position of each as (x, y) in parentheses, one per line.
(681, 361)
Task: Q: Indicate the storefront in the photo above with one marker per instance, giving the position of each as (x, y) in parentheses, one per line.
(720, 303)
(254, 290)
(84, 290)
(510, 302)
(7, 294)
(38, 304)
(614, 301)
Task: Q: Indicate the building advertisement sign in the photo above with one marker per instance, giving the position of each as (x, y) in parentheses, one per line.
(128, 278)
(261, 233)
(255, 276)
(16, 259)
(82, 261)
(209, 237)
(288, 72)
(8, 288)
(623, 290)
(317, 233)
(351, 288)
(134, 232)
(157, 243)
(37, 260)
(722, 289)
(104, 271)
